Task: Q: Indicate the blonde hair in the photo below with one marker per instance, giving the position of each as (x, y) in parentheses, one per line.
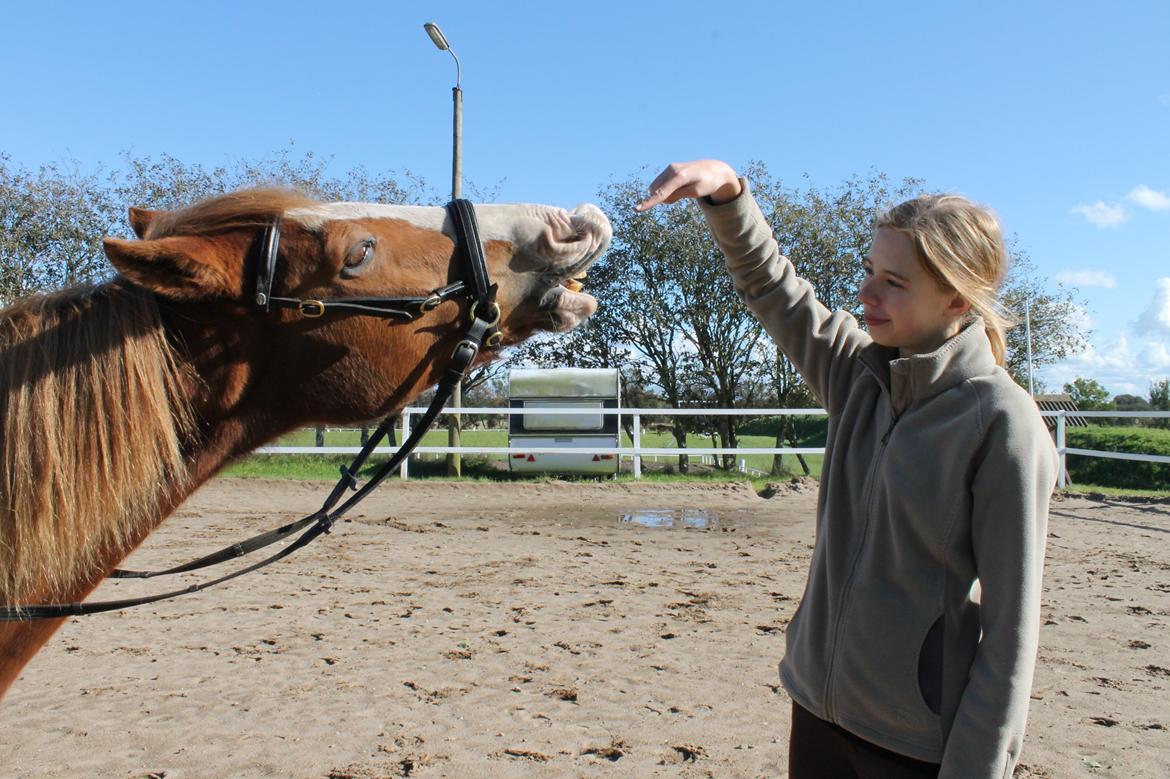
(960, 243)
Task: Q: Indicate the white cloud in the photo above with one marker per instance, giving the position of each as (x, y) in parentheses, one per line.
(1149, 198)
(1087, 278)
(1164, 99)
(1155, 319)
(1121, 365)
(1127, 363)
(1103, 215)
(1156, 356)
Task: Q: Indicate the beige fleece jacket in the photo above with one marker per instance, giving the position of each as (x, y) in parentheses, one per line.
(920, 618)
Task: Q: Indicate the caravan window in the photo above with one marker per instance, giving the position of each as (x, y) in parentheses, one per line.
(542, 423)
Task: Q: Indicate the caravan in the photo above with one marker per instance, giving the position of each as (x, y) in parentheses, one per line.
(584, 388)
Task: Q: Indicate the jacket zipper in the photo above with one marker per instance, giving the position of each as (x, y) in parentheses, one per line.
(893, 421)
(846, 588)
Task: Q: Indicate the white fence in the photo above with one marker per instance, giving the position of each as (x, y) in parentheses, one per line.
(636, 452)
(1064, 450)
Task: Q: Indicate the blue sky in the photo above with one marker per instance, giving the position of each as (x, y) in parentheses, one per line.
(1057, 114)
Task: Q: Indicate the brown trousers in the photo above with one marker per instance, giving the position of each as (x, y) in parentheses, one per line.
(821, 750)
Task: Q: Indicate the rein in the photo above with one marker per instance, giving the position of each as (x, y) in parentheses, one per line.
(481, 332)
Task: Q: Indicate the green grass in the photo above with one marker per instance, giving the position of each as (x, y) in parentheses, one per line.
(1116, 492)
(325, 466)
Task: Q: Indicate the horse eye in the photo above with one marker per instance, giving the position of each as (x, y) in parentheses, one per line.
(358, 258)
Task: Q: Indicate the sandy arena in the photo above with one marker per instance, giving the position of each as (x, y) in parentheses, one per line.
(525, 630)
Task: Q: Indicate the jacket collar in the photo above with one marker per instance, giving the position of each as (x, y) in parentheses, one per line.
(910, 380)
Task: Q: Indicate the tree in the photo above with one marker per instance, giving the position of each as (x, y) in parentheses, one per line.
(1127, 402)
(1088, 394)
(167, 182)
(1160, 401)
(52, 221)
(1058, 324)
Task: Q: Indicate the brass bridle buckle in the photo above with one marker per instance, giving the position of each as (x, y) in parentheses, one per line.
(493, 340)
(495, 321)
(312, 308)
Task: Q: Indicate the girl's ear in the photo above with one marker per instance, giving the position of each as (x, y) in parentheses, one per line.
(958, 305)
(182, 267)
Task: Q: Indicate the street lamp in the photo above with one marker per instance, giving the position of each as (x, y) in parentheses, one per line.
(454, 462)
(441, 44)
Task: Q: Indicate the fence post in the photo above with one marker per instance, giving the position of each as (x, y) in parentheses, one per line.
(1062, 478)
(402, 470)
(637, 446)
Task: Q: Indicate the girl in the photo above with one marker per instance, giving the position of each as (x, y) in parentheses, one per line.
(912, 651)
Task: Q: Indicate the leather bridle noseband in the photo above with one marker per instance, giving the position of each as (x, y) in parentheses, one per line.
(481, 332)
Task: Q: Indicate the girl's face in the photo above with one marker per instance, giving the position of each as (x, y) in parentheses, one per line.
(905, 307)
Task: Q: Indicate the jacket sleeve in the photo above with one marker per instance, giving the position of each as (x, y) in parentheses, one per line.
(821, 344)
(1013, 481)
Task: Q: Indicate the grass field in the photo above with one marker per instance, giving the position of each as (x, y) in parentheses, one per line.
(312, 466)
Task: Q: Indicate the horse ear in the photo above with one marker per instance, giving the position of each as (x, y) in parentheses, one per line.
(141, 219)
(184, 267)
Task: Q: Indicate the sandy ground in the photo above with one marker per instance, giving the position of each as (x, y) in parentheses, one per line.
(526, 630)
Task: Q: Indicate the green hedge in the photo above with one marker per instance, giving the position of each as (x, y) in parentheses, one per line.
(1119, 473)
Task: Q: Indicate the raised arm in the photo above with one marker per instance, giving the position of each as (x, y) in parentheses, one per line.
(821, 344)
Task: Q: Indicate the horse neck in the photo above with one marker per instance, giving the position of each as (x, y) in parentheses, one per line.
(250, 382)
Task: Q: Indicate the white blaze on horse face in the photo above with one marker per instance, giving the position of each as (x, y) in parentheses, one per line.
(563, 238)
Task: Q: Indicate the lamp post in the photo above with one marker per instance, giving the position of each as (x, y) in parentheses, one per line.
(441, 44)
(1028, 336)
(454, 462)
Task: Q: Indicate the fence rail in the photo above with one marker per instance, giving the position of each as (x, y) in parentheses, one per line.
(636, 452)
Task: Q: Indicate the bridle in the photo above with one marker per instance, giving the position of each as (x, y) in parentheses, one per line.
(485, 318)
(479, 290)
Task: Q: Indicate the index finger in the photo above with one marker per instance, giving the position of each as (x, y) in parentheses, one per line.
(662, 187)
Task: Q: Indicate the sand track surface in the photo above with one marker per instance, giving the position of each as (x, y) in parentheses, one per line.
(533, 630)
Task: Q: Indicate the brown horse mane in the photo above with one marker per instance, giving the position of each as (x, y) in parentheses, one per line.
(245, 208)
(92, 420)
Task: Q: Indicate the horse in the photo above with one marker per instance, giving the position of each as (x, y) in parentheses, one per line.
(119, 399)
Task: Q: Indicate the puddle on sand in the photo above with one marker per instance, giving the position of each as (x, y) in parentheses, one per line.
(700, 518)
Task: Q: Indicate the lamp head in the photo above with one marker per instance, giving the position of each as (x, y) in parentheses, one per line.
(437, 36)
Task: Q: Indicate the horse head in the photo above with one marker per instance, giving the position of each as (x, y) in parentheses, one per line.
(202, 264)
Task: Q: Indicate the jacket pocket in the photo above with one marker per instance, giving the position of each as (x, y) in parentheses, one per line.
(930, 666)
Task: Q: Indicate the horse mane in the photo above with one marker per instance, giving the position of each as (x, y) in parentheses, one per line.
(92, 420)
(245, 208)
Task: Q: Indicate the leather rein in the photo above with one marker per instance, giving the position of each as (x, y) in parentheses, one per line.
(485, 316)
